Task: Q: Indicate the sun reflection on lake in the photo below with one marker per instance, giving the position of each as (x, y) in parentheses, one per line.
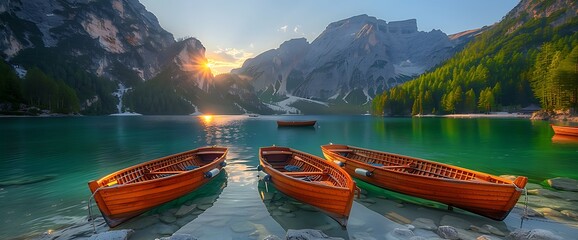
(207, 119)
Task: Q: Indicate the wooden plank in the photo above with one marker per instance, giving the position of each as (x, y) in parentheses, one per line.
(166, 172)
(276, 152)
(210, 152)
(302, 173)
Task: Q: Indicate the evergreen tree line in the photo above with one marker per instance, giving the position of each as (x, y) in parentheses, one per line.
(499, 69)
(36, 89)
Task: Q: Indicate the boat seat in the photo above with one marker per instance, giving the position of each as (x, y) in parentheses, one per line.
(210, 152)
(276, 152)
(166, 172)
(292, 168)
(302, 173)
(192, 167)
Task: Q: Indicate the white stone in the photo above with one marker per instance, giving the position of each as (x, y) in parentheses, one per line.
(113, 235)
(534, 234)
(457, 222)
(307, 234)
(448, 232)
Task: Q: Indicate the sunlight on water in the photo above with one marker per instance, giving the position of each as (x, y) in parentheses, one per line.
(47, 162)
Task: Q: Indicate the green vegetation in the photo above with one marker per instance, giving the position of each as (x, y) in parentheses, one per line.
(37, 90)
(46, 93)
(10, 86)
(68, 73)
(507, 67)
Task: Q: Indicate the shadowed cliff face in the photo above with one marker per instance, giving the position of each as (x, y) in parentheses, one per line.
(119, 41)
(107, 32)
(361, 54)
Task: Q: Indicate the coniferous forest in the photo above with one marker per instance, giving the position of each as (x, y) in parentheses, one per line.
(501, 70)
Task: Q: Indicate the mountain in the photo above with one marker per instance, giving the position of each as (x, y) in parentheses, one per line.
(351, 61)
(526, 58)
(110, 52)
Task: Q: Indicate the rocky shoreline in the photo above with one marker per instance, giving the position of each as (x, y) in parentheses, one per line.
(558, 116)
(551, 213)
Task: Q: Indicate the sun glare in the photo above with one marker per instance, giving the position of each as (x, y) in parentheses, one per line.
(207, 118)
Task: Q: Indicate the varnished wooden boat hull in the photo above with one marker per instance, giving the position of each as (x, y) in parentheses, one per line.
(476, 192)
(334, 199)
(296, 123)
(565, 130)
(132, 191)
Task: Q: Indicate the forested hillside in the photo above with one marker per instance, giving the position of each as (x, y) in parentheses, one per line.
(36, 89)
(524, 59)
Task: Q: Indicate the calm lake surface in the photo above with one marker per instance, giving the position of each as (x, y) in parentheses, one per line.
(56, 157)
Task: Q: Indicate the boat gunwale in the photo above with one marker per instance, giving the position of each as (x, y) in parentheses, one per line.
(194, 171)
(506, 182)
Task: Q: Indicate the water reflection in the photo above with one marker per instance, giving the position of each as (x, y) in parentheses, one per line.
(171, 216)
(292, 214)
(562, 139)
(404, 209)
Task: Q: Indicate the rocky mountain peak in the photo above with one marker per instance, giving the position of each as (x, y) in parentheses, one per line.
(361, 55)
(562, 10)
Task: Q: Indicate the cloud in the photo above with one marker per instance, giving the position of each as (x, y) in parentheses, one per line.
(283, 29)
(296, 29)
(223, 60)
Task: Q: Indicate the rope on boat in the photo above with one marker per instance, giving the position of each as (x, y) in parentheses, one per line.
(525, 216)
(90, 210)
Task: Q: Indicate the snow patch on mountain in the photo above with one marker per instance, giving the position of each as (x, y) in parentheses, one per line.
(285, 105)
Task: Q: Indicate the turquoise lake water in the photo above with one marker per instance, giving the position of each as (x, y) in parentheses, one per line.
(58, 156)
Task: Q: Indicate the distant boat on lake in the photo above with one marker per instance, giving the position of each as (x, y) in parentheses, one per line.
(295, 123)
(132, 191)
(565, 130)
(477, 192)
(309, 179)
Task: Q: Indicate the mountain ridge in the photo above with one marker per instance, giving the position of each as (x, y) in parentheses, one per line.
(360, 56)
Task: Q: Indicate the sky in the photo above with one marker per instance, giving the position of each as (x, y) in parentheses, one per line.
(234, 30)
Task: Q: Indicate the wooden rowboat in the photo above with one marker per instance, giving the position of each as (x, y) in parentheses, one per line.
(296, 123)
(477, 192)
(309, 179)
(565, 130)
(129, 192)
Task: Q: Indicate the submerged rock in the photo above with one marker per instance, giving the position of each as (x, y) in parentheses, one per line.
(26, 180)
(272, 237)
(494, 230)
(185, 209)
(562, 183)
(113, 235)
(455, 222)
(307, 234)
(402, 233)
(448, 232)
(424, 223)
(179, 236)
(570, 213)
(242, 227)
(535, 234)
